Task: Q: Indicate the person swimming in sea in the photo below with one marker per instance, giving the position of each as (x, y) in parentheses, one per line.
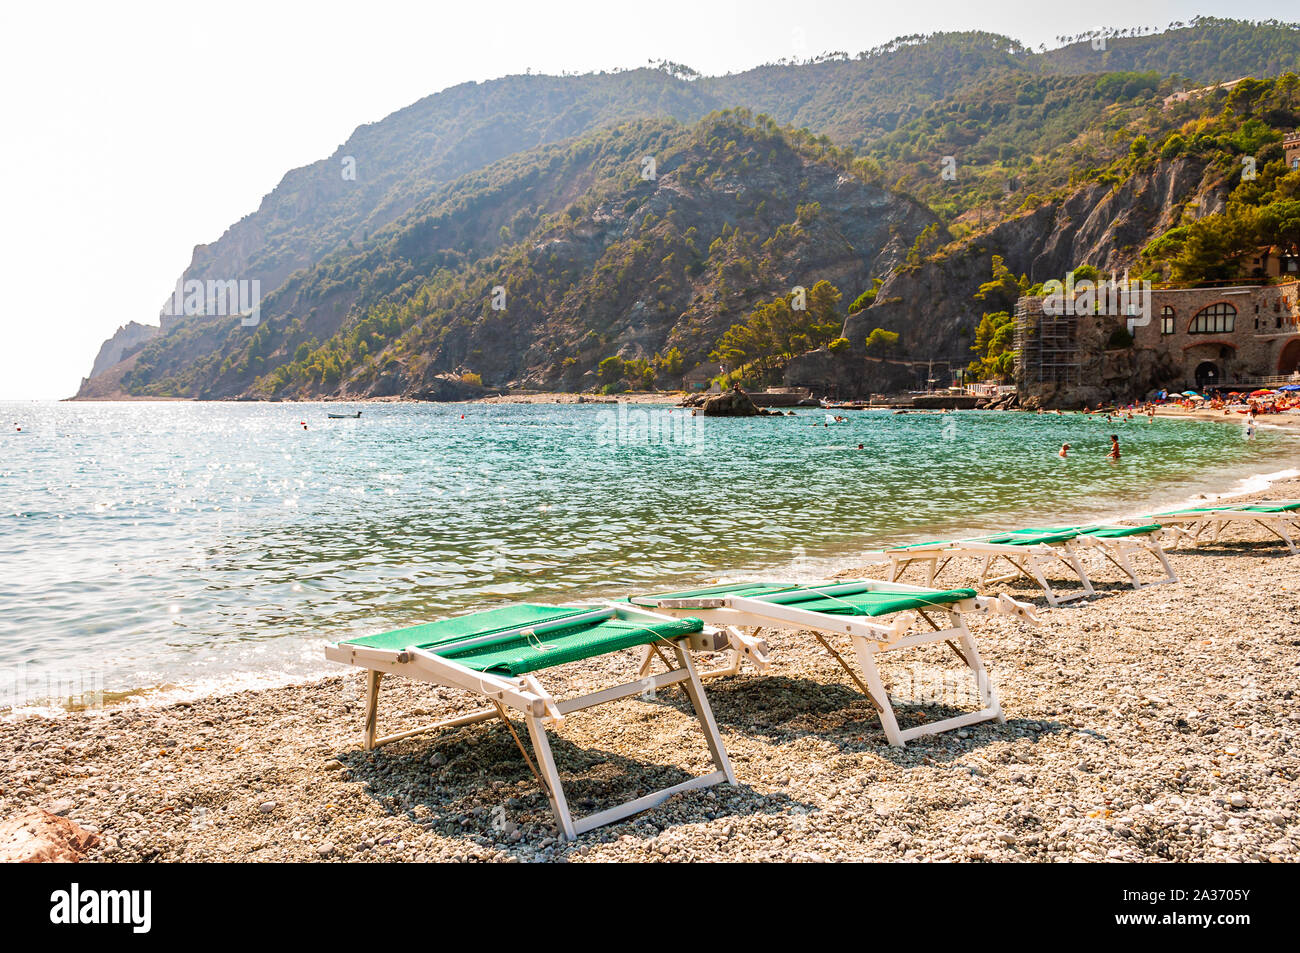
(1064, 453)
(1114, 448)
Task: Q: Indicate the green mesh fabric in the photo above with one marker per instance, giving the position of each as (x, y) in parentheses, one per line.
(524, 654)
(1286, 506)
(1030, 537)
(870, 603)
(1118, 532)
(432, 634)
(516, 654)
(1044, 535)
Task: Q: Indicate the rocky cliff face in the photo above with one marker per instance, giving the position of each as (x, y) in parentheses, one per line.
(386, 168)
(850, 376)
(932, 305)
(644, 286)
(610, 263)
(127, 340)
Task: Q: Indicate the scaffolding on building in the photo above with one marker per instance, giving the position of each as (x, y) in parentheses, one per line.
(1048, 345)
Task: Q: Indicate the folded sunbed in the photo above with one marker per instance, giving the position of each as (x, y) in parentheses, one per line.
(1032, 553)
(496, 655)
(1279, 517)
(857, 609)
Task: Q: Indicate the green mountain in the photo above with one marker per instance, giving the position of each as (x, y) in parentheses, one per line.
(827, 170)
(532, 271)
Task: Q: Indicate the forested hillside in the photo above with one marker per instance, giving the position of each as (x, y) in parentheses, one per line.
(507, 231)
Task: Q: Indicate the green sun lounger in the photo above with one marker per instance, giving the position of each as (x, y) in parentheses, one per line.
(858, 609)
(1280, 518)
(1033, 552)
(496, 655)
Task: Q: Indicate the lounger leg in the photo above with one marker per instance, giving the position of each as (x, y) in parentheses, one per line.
(546, 764)
(931, 570)
(372, 708)
(1035, 572)
(704, 713)
(1075, 563)
(1122, 559)
(1158, 552)
(647, 659)
(866, 652)
(1279, 529)
(983, 683)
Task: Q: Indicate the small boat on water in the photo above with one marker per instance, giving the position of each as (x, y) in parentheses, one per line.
(344, 416)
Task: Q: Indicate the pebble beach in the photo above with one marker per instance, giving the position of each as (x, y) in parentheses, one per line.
(1152, 725)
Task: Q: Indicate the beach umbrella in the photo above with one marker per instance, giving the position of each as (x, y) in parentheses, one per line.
(1260, 393)
(1289, 387)
(1190, 393)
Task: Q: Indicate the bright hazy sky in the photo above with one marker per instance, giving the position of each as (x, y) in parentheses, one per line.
(134, 131)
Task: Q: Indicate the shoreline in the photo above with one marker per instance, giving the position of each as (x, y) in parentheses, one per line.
(1142, 725)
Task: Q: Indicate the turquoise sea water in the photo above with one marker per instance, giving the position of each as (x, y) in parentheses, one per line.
(189, 544)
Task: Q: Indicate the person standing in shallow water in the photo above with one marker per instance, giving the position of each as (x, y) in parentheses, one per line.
(1065, 451)
(1114, 448)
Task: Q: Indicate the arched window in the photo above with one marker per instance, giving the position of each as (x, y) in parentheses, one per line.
(1167, 320)
(1218, 318)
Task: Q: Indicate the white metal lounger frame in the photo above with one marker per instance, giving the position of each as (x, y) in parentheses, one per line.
(1188, 528)
(1120, 550)
(538, 707)
(1030, 562)
(870, 637)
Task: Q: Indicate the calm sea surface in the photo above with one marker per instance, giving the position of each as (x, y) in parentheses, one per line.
(177, 544)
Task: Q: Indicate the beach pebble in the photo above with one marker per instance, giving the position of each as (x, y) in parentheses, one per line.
(266, 807)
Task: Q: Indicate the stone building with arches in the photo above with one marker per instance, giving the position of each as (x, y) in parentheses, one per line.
(1220, 336)
(1223, 338)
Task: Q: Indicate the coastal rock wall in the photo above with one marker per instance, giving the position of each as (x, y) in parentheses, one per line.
(932, 307)
(848, 375)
